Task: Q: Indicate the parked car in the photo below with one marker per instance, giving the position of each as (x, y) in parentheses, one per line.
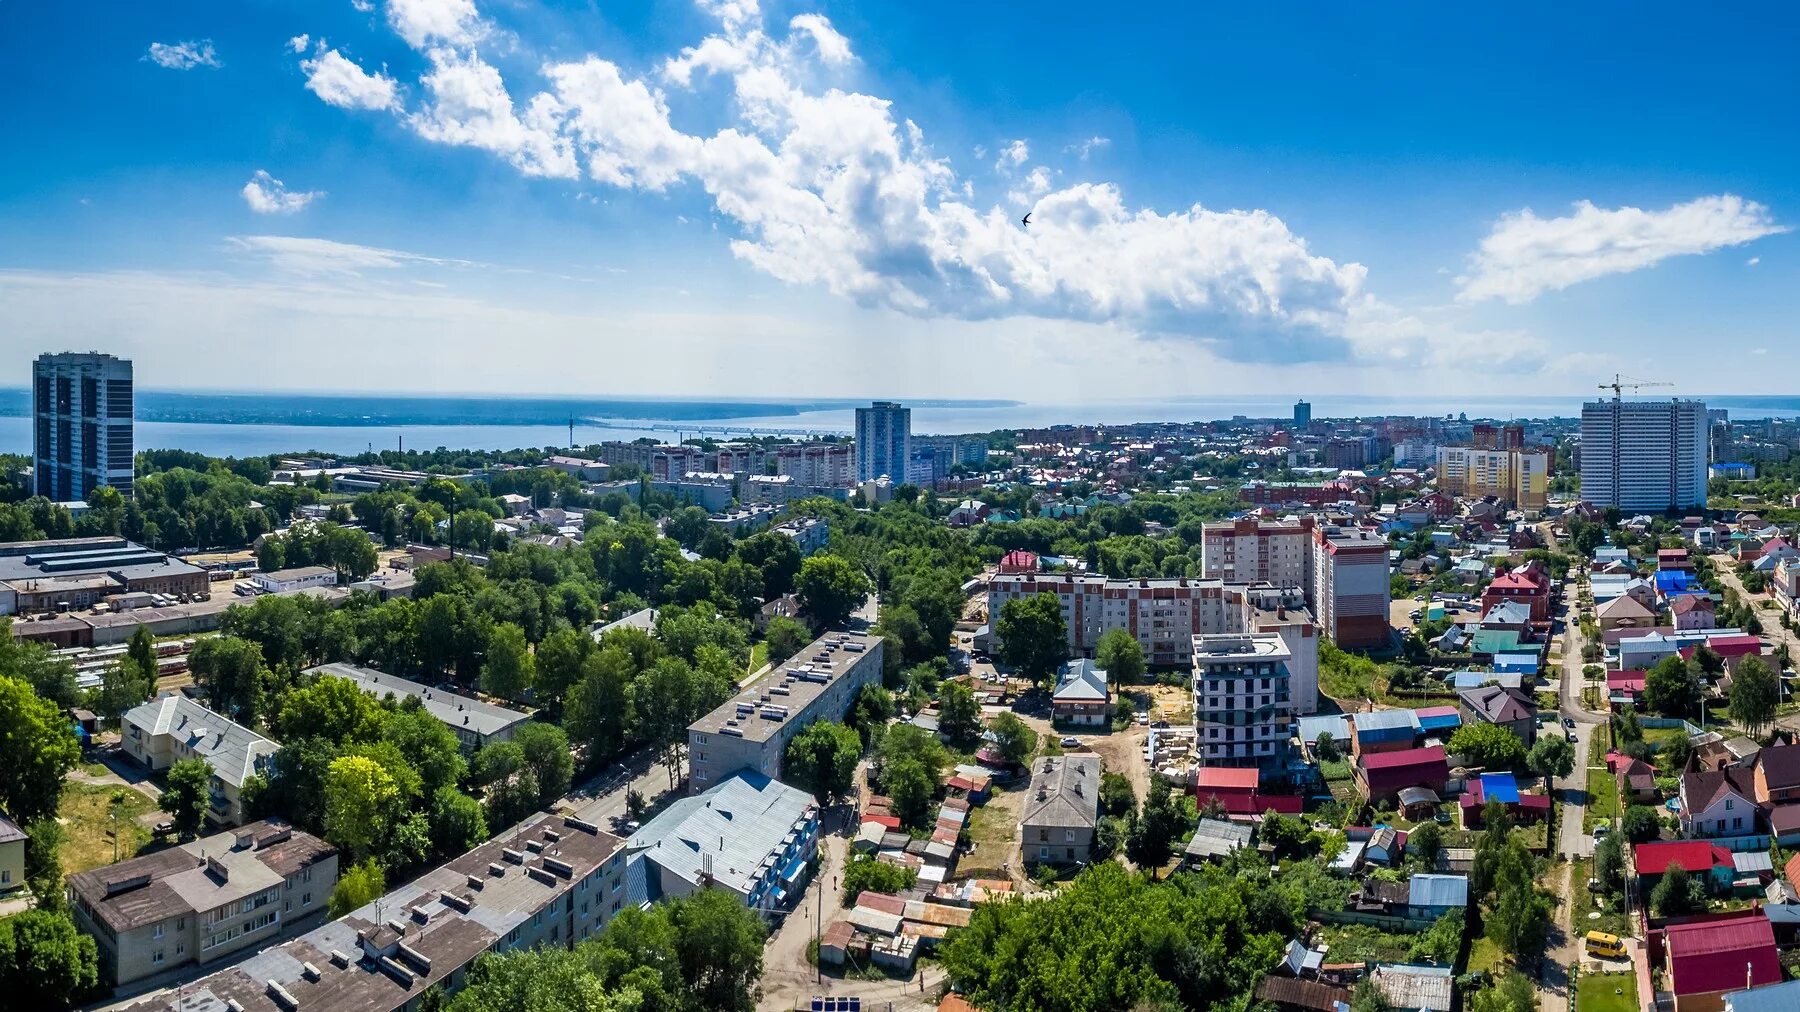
(1569, 722)
(1602, 829)
(1160, 723)
(1571, 737)
(1071, 742)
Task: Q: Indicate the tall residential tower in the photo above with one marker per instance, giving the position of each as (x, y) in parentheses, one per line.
(81, 412)
(1644, 456)
(883, 441)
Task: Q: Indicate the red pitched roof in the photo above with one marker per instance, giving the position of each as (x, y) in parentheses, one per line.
(1697, 857)
(1690, 602)
(1404, 758)
(1735, 645)
(1716, 955)
(1630, 681)
(1237, 803)
(1528, 579)
(1226, 778)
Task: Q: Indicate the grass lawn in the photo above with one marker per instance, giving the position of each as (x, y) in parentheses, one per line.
(1602, 798)
(1607, 992)
(759, 655)
(85, 813)
(991, 832)
(1657, 737)
(1355, 942)
(1485, 955)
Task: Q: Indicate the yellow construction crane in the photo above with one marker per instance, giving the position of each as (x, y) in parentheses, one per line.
(1619, 383)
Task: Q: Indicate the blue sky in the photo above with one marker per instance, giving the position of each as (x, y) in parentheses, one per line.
(823, 199)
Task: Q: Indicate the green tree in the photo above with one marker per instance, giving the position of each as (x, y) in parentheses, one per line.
(823, 758)
(1609, 862)
(1428, 841)
(509, 670)
(1755, 692)
(122, 686)
(187, 794)
(1162, 821)
(562, 660)
(598, 712)
(1551, 756)
(1672, 688)
(719, 946)
(1013, 738)
(426, 745)
(959, 713)
(333, 709)
(785, 637)
(358, 886)
(1116, 795)
(546, 749)
(43, 860)
(45, 963)
(1439, 943)
(1520, 915)
(1119, 653)
(1488, 745)
(40, 750)
(1033, 636)
(910, 788)
(1641, 823)
(1512, 992)
(830, 587)
(540, 980)
(351, 553)
(359, 804)
(232, 672)
(864, 873)
(458, 824)
(1678, 893)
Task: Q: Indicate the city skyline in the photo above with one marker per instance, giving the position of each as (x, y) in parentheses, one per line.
(414, 187)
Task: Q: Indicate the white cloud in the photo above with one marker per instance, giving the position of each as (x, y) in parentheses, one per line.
(828, 189)
(267, 195)
(1085, 148)
(299, 42)
(1753, 261)
(422, 23)
(340, 82)
(1525, 255)
(1012, 155)
(365, 6)
(833, 47)
(183, 55)
(304, 255)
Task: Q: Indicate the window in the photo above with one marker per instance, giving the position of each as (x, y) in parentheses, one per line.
(156, 932)
(157, 957)
(1729, 804)
(1043, 835)
(306, 899)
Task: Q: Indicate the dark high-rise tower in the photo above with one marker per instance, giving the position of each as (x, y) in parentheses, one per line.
(1302, 414)
(81, 425)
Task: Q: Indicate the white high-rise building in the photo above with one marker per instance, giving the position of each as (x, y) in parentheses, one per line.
(1644, 456)
(81, 414)
(883, 441)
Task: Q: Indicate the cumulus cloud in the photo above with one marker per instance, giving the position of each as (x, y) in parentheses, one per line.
(324, 257)
(1525, 255)
(338, 81)
(183, 55)
(267, 195)
(826, 187)
(421, 23)
(299, 43)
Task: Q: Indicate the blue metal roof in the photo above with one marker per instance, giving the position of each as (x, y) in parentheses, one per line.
(1386, 724)
(1782, 997)
(1438, 891)
(1501, 787)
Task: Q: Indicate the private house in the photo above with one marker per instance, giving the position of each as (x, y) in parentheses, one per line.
(1625, 612)
(1781, 997)
(1625, 690)
(749, 835)
(1081, 697)
(1529, 584)
(1707, 959)
(475, 722)
(1706, 861)
(165, 730)
(1504, 789)
(1383, 775)
(1237, 790)
(1059, 817)
(1718, 803)
(1776, 775)
(1409, 988)
(1693, 611)
(1383, 731)
(1637, 778)
(205, 900)
(1433, 896)
(12, 856)
(1295, 994)
(1438, 721)
(1505, 707)
(1216, 839)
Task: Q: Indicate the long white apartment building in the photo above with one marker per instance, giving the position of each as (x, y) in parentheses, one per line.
(1644, 456)
(1245, 705)
(1165, 615)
